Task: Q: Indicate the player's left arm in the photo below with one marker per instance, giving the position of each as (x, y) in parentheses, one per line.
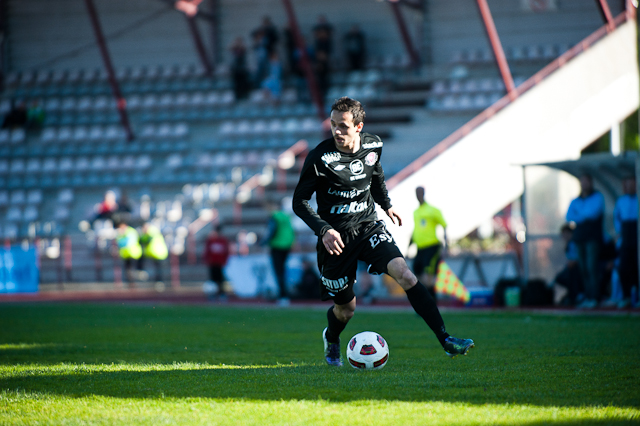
(380, 194)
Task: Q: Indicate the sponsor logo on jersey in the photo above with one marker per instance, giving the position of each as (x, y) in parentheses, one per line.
(330, 157)
(358, 177)
(338, 284)
(348, 194)
(338, 167)
(370, 145)
(371, 159)
(356, 167)
(352, 207)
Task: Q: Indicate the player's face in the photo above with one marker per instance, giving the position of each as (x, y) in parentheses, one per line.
(345, 134)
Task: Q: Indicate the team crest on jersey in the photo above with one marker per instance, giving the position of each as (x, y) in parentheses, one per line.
(356, 167)
(371, 159)
(330, 157)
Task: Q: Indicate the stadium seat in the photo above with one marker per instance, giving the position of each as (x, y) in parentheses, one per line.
(14, 214)
(82, 164)
(4, 197)
(17, 166)
(65, 196)
(5, 136)
(30, 214)
(65, 165)
(4, 166)
(34, 196)
(18, 197)
(33, 165)
(49, 134)
(64, 134)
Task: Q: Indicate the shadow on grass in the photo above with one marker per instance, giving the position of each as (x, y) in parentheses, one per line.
(293, 382)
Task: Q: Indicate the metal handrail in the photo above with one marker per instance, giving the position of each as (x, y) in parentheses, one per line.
(485, 115)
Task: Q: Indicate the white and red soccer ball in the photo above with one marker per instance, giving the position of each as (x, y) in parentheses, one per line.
(367, 351)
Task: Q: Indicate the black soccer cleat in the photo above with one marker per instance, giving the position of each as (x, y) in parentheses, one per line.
(454, 346)
(331, 351)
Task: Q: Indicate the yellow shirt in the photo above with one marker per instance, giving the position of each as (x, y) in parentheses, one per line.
(426, 218)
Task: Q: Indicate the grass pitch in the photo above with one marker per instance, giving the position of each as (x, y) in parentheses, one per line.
(146, 364)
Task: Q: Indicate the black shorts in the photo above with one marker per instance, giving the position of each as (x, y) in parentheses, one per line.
(216, 274)
(427, 260)
(373, 245)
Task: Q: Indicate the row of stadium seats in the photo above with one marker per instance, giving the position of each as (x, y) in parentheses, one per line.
(19, 166)
(463, 102)
(88, 148)
(515, 53)
(241, 128)
(20, 197)
(112, 133)
(472, 85)
(102, 180)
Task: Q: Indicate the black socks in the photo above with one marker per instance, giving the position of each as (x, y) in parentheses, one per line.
(426, 307)
(335, 327)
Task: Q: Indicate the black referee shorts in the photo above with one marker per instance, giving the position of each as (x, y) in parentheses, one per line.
(427, 260)
(372, 244)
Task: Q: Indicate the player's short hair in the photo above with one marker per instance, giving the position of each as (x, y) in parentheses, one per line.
(346, 104)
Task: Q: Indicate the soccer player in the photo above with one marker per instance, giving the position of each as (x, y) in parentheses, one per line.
(345, 173)
(426, 219)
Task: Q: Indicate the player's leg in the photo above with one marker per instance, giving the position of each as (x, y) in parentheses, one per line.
(338, 274)
(426, 307)
(337, 318)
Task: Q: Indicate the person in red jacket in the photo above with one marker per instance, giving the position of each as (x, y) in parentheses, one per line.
(216, 254)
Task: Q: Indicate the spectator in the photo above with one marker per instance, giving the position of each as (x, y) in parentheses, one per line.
(216, 255)
(16, 117)
(35, 115)
(587, 213)
(273, 83)
(426, 219)
(309, 285)
(107, 207)
(239, 70)
(265, 39)
(280, 238)
(123, 210)
(625, 220)
(129, 248)
(323, 47)
(354, 42)
(568, 283)
(154, 248)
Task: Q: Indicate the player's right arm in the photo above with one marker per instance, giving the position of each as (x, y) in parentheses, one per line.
(303, 193)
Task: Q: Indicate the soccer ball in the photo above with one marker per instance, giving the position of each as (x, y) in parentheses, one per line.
(367, 351)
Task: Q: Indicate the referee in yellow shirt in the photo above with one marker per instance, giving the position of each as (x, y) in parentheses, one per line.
(426, 219)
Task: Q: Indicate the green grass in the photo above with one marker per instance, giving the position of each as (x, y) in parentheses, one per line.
(145, 364)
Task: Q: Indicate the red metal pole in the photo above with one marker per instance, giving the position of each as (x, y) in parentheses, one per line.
(197, 40)
(304, 60)
(174, 261)
(117, 270)
(606, 12)
(496, 45)
(115, 87)
(191, 249)
(404, 32)
(68, 253)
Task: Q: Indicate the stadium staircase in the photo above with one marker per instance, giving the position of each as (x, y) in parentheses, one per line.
(475, 172)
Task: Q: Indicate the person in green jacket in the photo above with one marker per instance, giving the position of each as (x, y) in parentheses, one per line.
(129, 248)
(280, 238)
(153, 248)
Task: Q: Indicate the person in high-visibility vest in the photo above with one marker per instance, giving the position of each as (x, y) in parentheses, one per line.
(153, 247)
(426, 220)
(280, 238)
(129, 248)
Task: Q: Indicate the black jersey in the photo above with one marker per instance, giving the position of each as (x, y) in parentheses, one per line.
(346, 186)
